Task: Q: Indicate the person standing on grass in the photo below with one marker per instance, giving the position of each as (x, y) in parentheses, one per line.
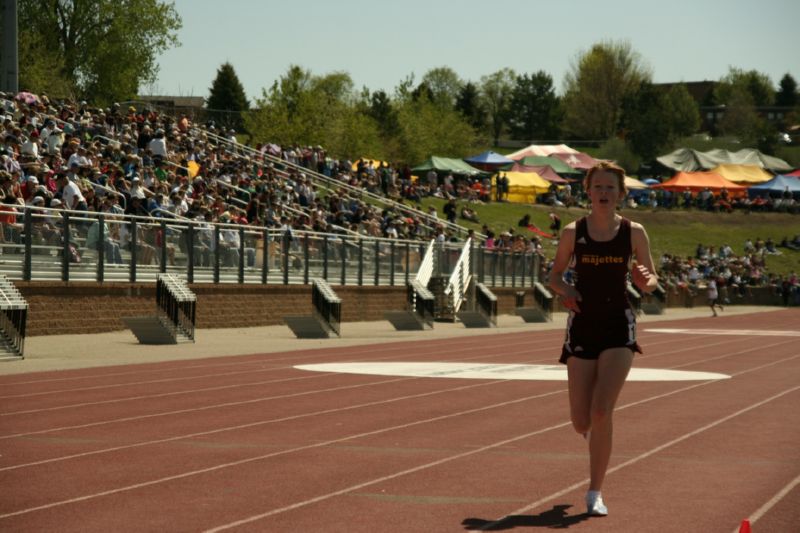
(713, 296)
(601, 329)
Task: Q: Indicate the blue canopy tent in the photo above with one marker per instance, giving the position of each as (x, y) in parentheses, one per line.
(489, 161)
(776, 186)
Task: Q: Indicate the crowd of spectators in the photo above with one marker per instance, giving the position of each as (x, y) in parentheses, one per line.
(708, 200)
(138, 161)
(734, 274)
(120, 159)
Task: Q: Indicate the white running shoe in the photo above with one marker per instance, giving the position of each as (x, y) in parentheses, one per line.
(594, 504)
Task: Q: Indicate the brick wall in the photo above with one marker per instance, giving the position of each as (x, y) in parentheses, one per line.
(57, 308)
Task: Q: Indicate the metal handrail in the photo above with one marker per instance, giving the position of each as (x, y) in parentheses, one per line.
(320, 177)
(460, 278)
(112, 191)
(426, 266)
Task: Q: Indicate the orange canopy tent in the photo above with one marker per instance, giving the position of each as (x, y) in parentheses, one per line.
(698, 181)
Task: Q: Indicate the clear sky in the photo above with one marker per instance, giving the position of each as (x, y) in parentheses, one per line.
(380, 43)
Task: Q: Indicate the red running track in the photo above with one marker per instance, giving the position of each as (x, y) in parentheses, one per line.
(249, 443)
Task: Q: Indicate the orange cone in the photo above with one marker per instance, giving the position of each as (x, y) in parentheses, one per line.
(745, 527)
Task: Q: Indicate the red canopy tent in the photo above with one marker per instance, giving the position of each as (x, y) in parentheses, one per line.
(544, 171)
(699, 181)
(577, 160)
(796, 173)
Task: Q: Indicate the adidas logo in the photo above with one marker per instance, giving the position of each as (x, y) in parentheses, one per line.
(581, 241)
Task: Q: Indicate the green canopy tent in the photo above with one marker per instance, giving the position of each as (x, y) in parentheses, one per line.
(446, 164)
(556, 164)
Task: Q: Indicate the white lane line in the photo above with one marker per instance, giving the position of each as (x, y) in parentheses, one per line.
(270, 421)
(526, 351)
(154, 396)
(638, 458)
(196, 409)
(276, 454)
(525, 344)
(773, 501)
(269, 398)
(372, 433)
(445, 350)
(745, 332)
(492, 525)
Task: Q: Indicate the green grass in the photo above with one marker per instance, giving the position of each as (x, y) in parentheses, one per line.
(675, 232)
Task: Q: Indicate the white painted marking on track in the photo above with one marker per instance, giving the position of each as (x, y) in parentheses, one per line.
(745, 332)
(495, 371)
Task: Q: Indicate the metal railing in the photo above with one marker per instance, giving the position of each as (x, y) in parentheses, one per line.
(458, 283)
(426, 266)
(55, 244)
(329, 183)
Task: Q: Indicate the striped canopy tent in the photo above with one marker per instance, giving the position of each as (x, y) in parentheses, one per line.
(743, 174)
(553, 162)
(698, 181)
(546, 172)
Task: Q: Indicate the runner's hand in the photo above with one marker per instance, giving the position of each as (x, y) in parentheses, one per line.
(641, 277)
(570, 299)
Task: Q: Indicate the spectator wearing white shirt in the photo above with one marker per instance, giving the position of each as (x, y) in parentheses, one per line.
(71, 196)
(158, 145)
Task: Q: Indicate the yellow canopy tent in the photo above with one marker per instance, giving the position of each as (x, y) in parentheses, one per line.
(743, 174)
(523, 187)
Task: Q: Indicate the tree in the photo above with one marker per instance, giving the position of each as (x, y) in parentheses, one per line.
(596, 85)
(496, 92)
(314, 110)
(645, 121)
(40, 70)
(443, 85)
(652, 119)
(534, 111)
(684, 113)
(757, 85)
(470, 106)
(226, 101)
(381, 110)
(740, 119)
(427, 129)
(787, 94)
(106, 49)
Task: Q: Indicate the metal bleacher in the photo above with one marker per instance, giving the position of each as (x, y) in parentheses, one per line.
(13, 316)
